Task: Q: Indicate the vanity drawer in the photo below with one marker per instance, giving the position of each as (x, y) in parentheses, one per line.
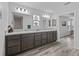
(13, 42)
(28, 35)
(36, 34)
(13, 50)
(13, 37)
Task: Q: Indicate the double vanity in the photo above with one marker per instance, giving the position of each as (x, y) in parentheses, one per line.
(18, 42)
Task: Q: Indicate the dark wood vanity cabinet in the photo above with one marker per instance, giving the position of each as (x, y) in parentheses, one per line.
(44, 38)
(27, 41)
(12, 44)
(37, 41)
(15, 44)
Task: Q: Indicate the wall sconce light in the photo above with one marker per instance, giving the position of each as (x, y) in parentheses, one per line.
(36, 18)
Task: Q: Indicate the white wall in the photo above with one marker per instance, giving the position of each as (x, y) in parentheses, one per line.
(1, 36)
(76, 41)
(3, 26)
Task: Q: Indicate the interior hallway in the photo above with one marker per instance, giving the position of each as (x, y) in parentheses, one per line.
(63, 48)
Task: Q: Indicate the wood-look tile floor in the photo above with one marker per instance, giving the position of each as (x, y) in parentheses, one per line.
(65, 47)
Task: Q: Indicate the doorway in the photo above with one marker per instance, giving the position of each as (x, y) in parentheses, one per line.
(66, 27)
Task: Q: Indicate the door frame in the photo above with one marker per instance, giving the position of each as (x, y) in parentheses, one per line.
(75, 12)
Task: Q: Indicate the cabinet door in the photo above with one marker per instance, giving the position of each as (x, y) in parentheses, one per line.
(49, 37)
(13, 50)
(55, 35)
(28, 42)
(37, 39)
(44, 38)
(37, 43)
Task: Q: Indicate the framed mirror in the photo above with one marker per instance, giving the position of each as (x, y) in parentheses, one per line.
(53, 22)
(36, 20)
(63, 23)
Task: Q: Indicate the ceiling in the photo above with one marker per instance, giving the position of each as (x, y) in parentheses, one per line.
(43, 5)
(47, 6)
(51, 7)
